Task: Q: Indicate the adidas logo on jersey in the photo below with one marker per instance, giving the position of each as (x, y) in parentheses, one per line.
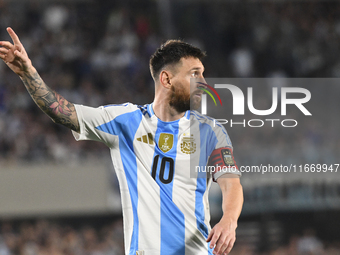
(146, 138)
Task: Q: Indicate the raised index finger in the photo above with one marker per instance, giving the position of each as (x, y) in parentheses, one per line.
(13, 35)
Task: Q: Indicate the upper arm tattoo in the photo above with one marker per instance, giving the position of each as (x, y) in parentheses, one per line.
(54, 105)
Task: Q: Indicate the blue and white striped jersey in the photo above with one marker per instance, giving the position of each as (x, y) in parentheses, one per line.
(165, 204)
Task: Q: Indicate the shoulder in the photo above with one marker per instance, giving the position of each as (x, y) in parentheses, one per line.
(126, 107)
(213, 124)
(119, 109)
(204, 119)
(113, 111)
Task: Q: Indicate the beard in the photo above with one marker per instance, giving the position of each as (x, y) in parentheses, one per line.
(182, 101)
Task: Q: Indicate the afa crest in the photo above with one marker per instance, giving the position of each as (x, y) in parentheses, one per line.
(228, 157)
(165, 142)
(188, 145)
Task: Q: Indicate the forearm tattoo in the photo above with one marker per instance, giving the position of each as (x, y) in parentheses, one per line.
(54, 105)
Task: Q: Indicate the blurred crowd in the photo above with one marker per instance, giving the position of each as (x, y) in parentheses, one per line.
(97, 54)
(53, 237)
(48, 237)
(92, 54)
(298, 245)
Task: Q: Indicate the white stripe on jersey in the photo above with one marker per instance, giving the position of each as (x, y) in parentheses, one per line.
(149, 229)
(125, 197)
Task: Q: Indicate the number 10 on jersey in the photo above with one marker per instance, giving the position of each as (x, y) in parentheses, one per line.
(166, 164)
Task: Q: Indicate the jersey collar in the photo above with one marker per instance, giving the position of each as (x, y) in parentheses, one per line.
(151, 112)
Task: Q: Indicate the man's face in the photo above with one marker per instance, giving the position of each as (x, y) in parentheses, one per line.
(185, 94)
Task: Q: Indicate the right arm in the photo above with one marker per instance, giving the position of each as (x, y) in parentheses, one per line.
(53, 104)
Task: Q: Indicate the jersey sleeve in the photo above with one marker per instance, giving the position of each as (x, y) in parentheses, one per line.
(222, 158)
(93, 121)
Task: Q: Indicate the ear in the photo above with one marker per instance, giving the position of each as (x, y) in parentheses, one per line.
(164, 78)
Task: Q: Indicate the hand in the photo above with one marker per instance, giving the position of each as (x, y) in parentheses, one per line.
(14, 55)
(223, 235)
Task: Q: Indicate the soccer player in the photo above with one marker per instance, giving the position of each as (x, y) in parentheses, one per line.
(165, 203)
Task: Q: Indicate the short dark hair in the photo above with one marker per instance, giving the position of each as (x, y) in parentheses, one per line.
(171, 52)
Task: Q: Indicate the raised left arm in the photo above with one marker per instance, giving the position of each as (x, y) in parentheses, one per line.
(223, 235)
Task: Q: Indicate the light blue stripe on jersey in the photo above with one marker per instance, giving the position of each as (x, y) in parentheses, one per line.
(202, 117)
(172, 219)
(150, 110)
(208, 141)
(126, 132)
